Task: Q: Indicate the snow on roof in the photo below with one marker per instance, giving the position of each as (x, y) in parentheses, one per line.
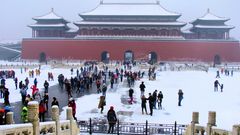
(127, 37)
(133, 8)
(47, 25)
(214, 27)
(211, 16)
(49, 16)
(130, 23)
(72, 30)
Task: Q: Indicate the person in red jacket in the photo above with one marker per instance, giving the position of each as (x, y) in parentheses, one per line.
(42, 111)
(73, 105)
(34, 91)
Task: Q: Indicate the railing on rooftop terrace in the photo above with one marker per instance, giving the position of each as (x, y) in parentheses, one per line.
(132, 128)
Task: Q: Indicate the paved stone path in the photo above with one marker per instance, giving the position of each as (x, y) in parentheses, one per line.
(54, 91)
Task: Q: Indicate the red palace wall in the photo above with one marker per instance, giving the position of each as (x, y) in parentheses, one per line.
(166, 50)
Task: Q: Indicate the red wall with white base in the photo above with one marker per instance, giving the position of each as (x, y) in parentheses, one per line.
(166, 50)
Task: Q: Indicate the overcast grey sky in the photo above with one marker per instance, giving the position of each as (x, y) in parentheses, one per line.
(17, 14)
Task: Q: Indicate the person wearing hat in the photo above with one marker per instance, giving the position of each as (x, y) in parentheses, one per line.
(72, 104)
(112, 119)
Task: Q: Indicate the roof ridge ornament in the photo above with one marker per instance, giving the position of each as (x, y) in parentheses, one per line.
(101, 2)
(52, 9)
(158, 2)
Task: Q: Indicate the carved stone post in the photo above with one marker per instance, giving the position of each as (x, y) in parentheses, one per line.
(33, 111)
(211, 122)
(55, 117)
(236, 130)
(70, 117)
(9, 118)
(195, 120)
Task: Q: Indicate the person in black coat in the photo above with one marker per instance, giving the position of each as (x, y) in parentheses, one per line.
(155, 99)
(6, 97)
(216, 83)
(142, 88)
(55, 102)
(160, 97)
(131, 91)
(143, 104)
(180, 97)
(112, 119)
(151, 103)
(46, 85)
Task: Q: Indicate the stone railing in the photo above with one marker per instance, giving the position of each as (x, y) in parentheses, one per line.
(34, 127)
(16, 129)
(210, 129)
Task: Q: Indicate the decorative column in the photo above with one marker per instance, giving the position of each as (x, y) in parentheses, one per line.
(211, 122)
(33, 111)
(55, 117)
(195, 120)
(9, 118)
(70, 117)
(74, 130)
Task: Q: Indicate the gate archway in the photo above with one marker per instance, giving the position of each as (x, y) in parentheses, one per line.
(42, 57)
(217, 60)
(128, 56)
(152, 56)
(105, 56)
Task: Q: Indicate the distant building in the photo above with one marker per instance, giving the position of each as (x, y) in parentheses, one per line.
(129, 31)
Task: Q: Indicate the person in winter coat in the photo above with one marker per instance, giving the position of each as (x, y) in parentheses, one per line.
(6, 97)
(46, 85)
(26, 82)
(112, 119)
(45, 99)
(35, 81)
(130, 92)
(20, 85)
(155, 99)
(16, 82)
(104, 89)
(221, 87)
(55, 102)
(216, 84)
(98, 84)
(102, 103)
(23, 92)
(142, 88)
(68, 88)
(34, 91)
(151, 103)
(180, 97)
(24, 114)
(160, 97)
(143, 104)
(27, 99)
(73, 105)
(42, 111)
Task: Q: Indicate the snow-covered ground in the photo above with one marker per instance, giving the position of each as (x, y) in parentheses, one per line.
(198, 96)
